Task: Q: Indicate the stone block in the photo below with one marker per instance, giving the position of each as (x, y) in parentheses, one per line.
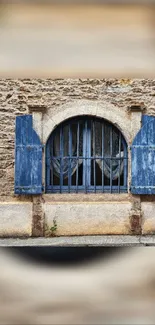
(15, 219)
(148, 217)
(68, 219)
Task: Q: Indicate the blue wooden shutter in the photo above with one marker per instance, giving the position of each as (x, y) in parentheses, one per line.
(143, 158)
(147, 119)
(28, 158)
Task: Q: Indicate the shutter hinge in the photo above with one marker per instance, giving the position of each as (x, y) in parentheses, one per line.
(43, 147)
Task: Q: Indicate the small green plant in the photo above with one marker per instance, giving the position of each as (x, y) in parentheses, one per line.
(50, 231)
(54, 227)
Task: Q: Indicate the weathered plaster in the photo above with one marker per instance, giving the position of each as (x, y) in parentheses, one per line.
(86, 219)
(148, 217)
(15, 219)
(37, 124)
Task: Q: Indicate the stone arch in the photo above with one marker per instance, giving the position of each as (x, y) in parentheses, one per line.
(107, 111)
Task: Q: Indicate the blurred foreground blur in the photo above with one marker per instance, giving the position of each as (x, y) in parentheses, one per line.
(118, 287)
(82, 39)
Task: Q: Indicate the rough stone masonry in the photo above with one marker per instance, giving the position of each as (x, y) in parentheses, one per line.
(28, 216)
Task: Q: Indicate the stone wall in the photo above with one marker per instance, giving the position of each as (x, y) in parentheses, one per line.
(16, 96)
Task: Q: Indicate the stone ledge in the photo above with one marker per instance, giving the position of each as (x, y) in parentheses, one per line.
(72, 241)
(67, 198)
(136, 107)
(37, 108)
(148, 240)
(77, 241)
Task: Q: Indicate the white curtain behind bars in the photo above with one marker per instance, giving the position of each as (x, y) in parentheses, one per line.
(112, 168)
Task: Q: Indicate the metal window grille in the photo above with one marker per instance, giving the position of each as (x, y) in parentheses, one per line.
(86, 154)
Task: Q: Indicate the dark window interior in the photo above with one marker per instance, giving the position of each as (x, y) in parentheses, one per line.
(86, 154)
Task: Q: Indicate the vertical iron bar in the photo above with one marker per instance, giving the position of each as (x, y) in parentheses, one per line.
(111, 133)
(85, 152)
(51, 169)
(125, 163)
(119, 162)
(103, 157)
(94, 159)
(48, 164)
(70, 155)
(89, 155)
(77, 169)
(61, 159)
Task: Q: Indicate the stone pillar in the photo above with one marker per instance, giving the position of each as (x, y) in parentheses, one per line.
(38, 215)
(135, 111)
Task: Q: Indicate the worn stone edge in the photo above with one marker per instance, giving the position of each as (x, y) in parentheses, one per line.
(37, 108)
(114, 240)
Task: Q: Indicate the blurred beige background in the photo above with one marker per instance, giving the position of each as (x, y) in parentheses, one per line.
(75, 39)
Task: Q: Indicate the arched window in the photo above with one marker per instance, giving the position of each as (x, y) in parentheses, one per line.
(86, 154)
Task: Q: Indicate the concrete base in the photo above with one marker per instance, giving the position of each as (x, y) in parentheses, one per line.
(89, 241)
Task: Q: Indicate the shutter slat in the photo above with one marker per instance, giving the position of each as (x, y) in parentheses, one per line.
(28, 158)
(143, 158)
(147, 119)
